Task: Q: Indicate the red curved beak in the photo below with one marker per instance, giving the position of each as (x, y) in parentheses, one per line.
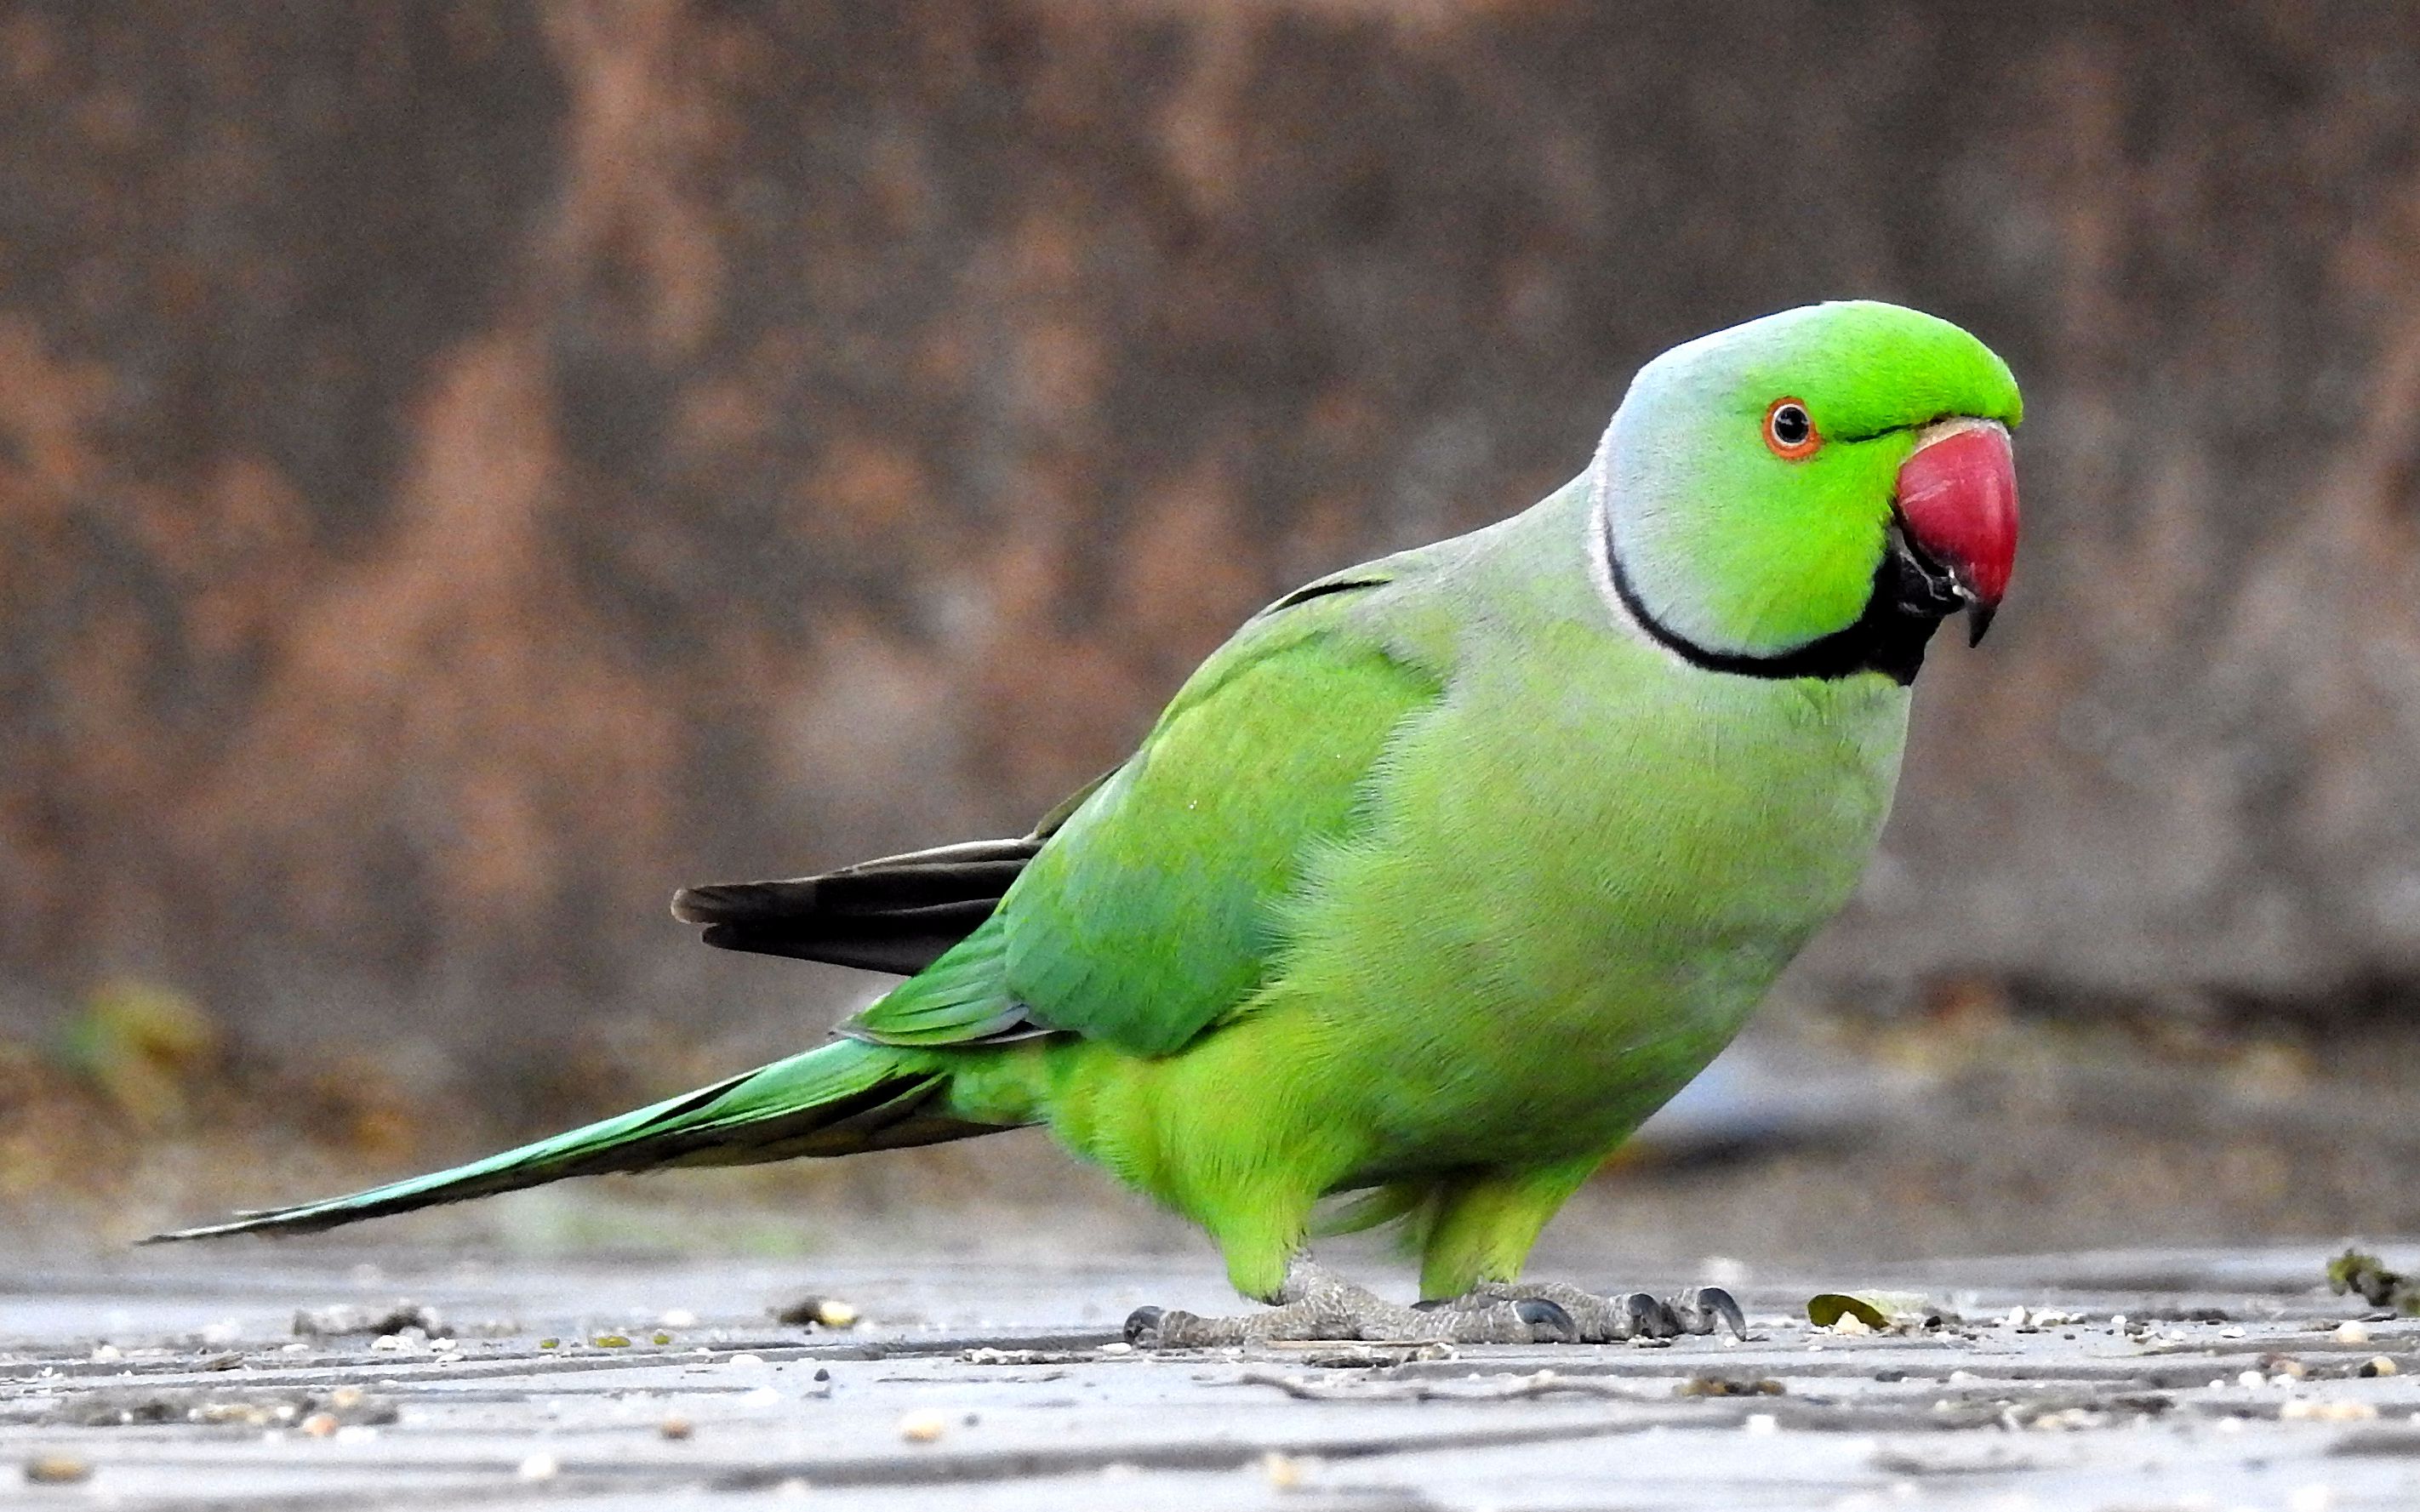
(1958, 500)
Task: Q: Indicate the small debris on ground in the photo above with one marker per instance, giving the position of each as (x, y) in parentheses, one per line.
(2305, 1410)
(344, 1319)
(1025, 1357)
(57, 1470)
(923, 1426)
(1327, 1356)
(823, 1312)
(1503, 1388)
(1729, 1386)
(1877, 1312)
(344, 1405)
(2366, 1276)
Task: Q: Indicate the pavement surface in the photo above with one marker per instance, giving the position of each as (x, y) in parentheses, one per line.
(265, 1378)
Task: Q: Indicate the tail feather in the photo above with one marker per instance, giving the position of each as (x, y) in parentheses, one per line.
(839, 1100)
(897, 914)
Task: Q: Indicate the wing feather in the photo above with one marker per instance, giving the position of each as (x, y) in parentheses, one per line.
(1144, 909)
(1154, 913)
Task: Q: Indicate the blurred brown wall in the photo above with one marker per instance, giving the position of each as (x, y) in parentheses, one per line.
(466, 469)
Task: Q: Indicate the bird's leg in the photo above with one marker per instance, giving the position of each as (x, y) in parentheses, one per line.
(1315, 1303)
(1612, 1319)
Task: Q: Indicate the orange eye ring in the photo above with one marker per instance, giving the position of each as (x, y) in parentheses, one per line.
(1789, 431)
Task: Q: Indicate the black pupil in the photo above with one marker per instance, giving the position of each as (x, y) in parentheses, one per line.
(1790, 424)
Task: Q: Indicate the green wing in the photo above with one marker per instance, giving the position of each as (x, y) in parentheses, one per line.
(1149, 913)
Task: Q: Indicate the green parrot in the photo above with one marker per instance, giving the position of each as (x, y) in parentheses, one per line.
(1437, 878)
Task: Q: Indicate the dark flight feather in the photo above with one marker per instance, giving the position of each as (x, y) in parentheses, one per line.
(897, 914)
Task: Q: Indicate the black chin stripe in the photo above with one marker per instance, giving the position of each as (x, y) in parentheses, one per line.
(1909, 600)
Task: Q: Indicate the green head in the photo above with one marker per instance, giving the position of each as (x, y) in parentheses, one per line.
(1808, 494)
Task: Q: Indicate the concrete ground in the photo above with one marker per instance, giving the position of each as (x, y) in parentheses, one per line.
(179, 1380)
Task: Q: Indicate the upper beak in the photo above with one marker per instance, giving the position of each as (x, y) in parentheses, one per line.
(1958, 499)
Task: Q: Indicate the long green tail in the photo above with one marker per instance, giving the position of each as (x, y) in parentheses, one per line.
(839, 1100)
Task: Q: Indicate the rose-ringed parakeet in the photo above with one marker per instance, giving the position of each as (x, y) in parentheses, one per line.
(1440, 876)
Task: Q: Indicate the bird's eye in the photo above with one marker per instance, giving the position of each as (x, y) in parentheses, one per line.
(1789, 431)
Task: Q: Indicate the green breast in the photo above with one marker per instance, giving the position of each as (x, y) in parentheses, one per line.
(1585, 869)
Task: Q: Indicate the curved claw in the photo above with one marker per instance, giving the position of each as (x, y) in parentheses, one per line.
(1143, 1327)
(1548, 1322)
(1650, 1317)
(1705, 1307)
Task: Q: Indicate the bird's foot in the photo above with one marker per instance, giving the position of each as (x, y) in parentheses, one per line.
(1611, 1320)
(1316, 1305)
